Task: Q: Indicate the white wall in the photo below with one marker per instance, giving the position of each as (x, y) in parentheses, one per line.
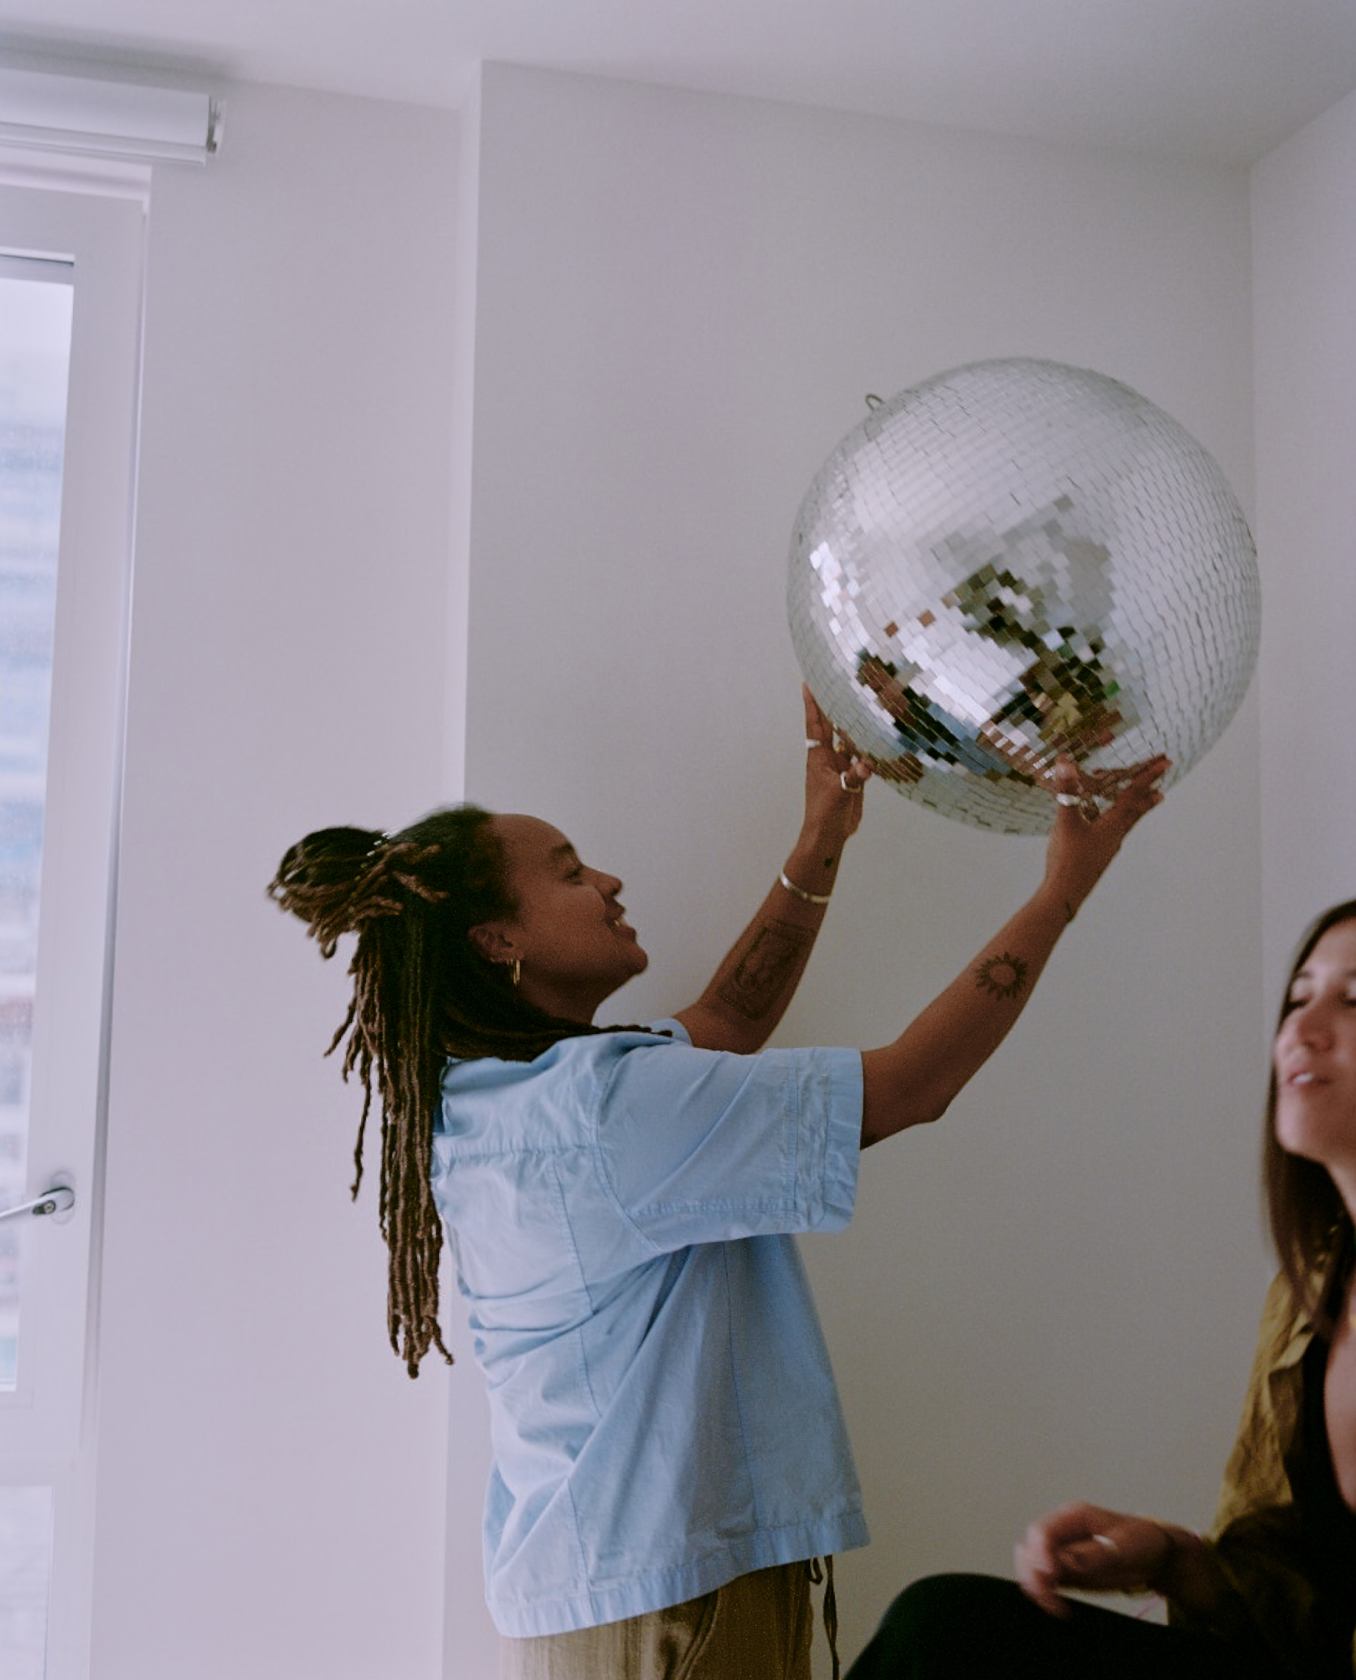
(270, 1496)
(681, 301)
(1304, 327)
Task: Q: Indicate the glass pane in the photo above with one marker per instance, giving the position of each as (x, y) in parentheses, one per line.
(35, 336)
(25, 1566)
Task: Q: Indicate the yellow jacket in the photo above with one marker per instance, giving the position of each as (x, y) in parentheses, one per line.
(1257, 1536)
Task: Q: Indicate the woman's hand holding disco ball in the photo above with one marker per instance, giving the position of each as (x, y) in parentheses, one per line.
(834, 776)
(1095, 810)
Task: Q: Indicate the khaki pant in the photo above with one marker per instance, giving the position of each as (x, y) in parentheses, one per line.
(756, 1627)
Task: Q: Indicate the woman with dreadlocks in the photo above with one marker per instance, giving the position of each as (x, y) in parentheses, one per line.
(670, 1461)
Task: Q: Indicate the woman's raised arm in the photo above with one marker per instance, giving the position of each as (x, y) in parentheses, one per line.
(749, 992)
(915, 1079)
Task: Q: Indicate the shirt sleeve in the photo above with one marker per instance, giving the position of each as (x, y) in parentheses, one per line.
(1269, 1596)
(1259, 1540)
(705, 1146)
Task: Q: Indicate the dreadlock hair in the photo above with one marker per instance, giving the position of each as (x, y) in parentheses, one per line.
(1310, 1225)
(421, 993)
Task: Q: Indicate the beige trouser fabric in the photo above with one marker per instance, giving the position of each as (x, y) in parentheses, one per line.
(757, 1627)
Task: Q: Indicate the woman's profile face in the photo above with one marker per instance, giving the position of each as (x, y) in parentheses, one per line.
(570, 929)
(1315, 1056)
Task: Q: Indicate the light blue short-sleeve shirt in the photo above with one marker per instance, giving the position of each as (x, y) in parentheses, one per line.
(663, 1413)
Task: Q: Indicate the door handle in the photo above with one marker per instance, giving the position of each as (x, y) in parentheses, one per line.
(60, 1198)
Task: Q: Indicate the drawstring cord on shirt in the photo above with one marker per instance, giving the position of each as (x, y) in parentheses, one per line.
(822, 1570)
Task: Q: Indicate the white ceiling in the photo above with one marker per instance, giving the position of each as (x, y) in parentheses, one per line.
(1223, 79)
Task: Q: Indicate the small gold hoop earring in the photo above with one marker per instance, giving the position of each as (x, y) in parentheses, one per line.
(515, 972)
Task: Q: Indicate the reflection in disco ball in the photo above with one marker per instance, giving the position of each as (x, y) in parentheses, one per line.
(1015, 560)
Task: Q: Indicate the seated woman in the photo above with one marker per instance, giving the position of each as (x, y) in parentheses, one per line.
(1272, 1592)
(669, 1458)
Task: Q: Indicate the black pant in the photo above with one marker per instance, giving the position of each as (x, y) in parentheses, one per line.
(973, 1627)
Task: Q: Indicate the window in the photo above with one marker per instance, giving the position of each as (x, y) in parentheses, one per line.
(70, 291)
(35, 346)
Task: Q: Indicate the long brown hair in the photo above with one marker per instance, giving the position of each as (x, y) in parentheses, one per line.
(421, 993)
(1309, 1220)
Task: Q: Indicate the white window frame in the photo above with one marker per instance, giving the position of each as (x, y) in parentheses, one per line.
(102, 234)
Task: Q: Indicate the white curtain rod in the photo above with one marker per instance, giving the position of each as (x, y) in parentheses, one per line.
(112, 119)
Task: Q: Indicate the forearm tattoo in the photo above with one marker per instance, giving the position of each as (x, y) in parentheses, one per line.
(1002, 977)
(765, 968)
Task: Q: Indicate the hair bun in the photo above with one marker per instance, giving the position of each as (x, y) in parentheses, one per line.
(327, 881)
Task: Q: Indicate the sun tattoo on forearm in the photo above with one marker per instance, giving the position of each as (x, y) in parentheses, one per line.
(1002, 977)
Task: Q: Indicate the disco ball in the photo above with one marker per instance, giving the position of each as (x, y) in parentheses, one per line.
(1015, 560)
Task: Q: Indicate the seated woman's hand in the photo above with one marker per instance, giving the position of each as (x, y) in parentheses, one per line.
(1092, 1550)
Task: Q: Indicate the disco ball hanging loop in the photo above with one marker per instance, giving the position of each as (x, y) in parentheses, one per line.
(1016, 560)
